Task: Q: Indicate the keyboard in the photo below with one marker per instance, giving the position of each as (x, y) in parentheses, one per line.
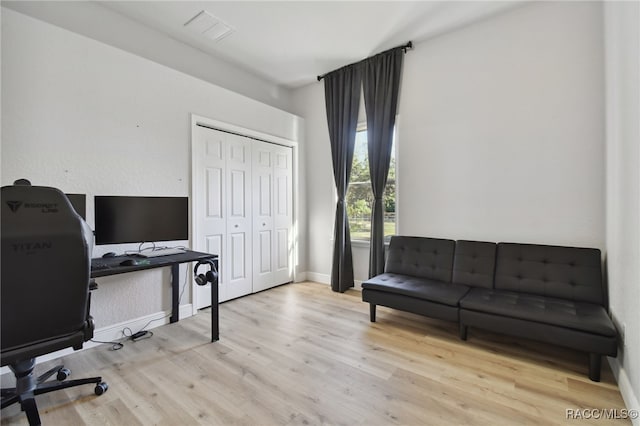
(99, 266)
(161, 252)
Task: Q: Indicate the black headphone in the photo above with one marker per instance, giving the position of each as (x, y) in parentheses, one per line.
(211, 276)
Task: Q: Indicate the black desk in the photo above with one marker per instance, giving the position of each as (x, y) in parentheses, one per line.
(107, 266)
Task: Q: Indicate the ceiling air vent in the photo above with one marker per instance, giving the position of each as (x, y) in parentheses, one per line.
(206, 24)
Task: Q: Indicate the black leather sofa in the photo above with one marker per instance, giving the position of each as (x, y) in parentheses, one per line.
(547, 293)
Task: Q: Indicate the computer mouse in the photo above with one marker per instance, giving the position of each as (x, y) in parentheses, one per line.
(129, 262)
(110, 254)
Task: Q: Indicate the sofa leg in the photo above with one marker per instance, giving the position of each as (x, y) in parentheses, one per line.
(463, 331)
(372, 312)
(595, 361)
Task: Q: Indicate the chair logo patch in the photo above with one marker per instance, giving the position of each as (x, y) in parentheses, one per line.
(14, 205)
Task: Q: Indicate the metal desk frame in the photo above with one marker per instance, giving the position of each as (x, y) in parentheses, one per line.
(172, 260)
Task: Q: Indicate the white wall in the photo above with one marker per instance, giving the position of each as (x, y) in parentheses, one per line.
(319, 187)
(502, 130)
(90, 118)
(501, 135)
(622, 35)
(96, 20)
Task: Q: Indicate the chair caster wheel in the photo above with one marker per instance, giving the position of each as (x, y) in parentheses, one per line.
(63, 373)
(101, 388)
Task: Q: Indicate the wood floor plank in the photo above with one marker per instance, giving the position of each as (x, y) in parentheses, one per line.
(301, 354)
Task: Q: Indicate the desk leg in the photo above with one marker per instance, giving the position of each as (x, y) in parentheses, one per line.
(175, 292)
(215, 331)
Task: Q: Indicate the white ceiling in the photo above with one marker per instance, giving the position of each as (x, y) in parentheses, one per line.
(287, 43)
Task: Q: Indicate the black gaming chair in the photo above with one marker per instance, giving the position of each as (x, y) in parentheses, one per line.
(46, 263)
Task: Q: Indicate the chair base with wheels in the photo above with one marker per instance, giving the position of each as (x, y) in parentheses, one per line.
(28, 386)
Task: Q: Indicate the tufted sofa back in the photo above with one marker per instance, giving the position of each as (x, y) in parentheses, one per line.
(421, 257)
(563, 272)
(474, 263)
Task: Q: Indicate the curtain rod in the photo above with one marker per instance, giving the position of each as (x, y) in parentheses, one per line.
(404, 47)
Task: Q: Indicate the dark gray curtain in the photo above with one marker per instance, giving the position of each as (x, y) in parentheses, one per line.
(342, 97)
(381, 85)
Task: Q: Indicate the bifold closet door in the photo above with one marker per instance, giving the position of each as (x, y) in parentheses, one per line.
(272, 215)
(222, 200)
(239, 213)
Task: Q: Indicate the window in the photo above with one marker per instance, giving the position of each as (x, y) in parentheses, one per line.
(360, 196)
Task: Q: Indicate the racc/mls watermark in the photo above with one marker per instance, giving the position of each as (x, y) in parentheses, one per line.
(601, 413)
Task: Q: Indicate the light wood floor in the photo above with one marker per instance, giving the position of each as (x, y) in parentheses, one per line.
(301, 354)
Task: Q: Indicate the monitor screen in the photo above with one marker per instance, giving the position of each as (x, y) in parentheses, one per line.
(122, 220)
(79, 203)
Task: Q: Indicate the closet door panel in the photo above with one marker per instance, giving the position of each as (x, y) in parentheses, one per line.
(283, 215)
(262, 215)
(264, 241)
(239, 227)
(214, 183)
(282, 257)
(272, 220)
(209, 202)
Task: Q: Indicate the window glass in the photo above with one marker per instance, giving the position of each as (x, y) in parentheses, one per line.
(360, 196)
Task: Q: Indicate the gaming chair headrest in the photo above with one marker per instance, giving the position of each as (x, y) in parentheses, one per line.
(30, 211)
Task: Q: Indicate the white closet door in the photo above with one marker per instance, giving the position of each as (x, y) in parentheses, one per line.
(262, 215)
(209, 202)
(222, 199)
(239, 213)
(243, 199)
(283, 214)
(272, 218)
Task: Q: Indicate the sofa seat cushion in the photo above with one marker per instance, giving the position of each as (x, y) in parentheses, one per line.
(581, 316)
(421, 288)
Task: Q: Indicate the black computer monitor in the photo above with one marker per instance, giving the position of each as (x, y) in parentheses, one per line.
(120, 220)
(79, 204)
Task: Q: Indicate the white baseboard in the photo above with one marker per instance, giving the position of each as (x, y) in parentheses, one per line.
(186, 311)
(318, 277)
(326, 279)
(628, 394)
(300, 277)
(114, 332)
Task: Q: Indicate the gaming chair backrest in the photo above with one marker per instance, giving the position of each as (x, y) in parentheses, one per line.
(46, 263)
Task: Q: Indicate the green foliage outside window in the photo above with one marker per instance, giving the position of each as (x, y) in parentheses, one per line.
(360, 197)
